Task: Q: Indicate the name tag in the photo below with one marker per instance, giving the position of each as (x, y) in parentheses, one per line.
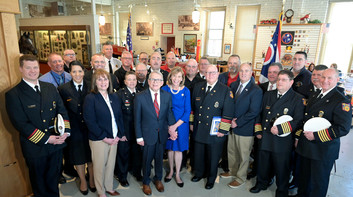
(31, 106)
(69, 99)
(198, 98)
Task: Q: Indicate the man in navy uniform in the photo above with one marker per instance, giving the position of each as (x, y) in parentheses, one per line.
(302, 77)
(153, 115)
(210, 99)
(319, 150)
(276, 141)
(248, 98)
(129, 153)
(32, 106)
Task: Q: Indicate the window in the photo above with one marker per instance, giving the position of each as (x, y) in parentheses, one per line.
(215, 33)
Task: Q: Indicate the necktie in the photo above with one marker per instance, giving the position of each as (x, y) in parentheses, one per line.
(271, 87)
(133, 94)
(61, 80)
(319, 97)
(80, 90)
(208, 89)
(37, 89)
(279, 96)
(203, 77)
(110, 67)
(155, 103)
(239, 91)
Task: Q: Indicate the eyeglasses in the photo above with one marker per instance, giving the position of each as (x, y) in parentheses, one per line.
(156, 80)
(143, 59)
(211, 73)
(191, 66)
(127, 58)
(70, 55)
(141, 71)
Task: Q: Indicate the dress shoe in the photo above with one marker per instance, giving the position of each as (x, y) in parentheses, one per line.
(235, 184)
(92, 189)
(84, 192)
(159, 185)
(225, 175)
(146, 189)
(209, 185)
(271, 182)
(250, 175)
(124, 183)
(167, 180)
(179, 184)
(62, 179)
(195, 179)
(256, 189)
(113, 193)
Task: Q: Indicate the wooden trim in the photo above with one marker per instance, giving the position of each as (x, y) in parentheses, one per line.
(62, 27)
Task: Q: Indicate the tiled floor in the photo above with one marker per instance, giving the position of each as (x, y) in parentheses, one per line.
(341, 183)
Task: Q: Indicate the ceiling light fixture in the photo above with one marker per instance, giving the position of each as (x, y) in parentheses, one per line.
(196, 13)
(101, 17)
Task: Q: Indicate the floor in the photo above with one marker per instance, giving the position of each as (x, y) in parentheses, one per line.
(341, 182)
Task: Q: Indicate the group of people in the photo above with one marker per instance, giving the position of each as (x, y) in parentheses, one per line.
(119, 118)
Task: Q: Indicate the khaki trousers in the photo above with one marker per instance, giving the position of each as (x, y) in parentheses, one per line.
(239, 149)
(103, 159)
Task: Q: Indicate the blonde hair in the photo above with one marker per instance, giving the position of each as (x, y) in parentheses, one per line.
(101, 73)
(175, 71)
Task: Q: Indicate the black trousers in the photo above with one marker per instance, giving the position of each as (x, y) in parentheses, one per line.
(122, 160)
(135, 158)
(280, 164)
(206, 160)
(152, 152)
(314, 177)
(44, 174)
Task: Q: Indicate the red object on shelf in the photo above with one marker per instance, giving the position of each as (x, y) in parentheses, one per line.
(118, 50)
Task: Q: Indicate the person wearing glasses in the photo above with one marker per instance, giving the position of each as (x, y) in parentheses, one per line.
(68, 57)
(156, 62)
(143, 58)
(141, 76)
(126, 59)
(210, 99)
(153, 117)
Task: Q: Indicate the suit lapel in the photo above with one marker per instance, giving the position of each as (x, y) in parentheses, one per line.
(319, 103)
(149, 101)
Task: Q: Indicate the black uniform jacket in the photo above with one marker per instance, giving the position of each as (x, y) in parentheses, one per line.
(337, 110)
(218, 102)
(291, 103)
(32, 114)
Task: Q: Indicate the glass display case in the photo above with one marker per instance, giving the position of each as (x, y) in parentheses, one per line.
(58, 38)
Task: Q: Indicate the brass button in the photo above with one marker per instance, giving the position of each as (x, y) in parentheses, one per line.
(264, 128)
(79, 105)
(80, 113)
(206, 123)
(44, 120)
(199, 114)
(208, 107)
(45, 130)
(199, 122)
(207, 116)
(266, 120)
(41, 111)
(277, 114)
(200, 107)
(82, 121)
(306, 114)
(52, 118)
(269, 112)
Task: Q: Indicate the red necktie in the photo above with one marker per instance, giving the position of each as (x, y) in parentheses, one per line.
(156, 106)
(271, 87)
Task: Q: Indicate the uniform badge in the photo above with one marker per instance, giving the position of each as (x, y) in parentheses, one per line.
(321, 113)
(202, 88)
(231, 94)
(299, 83)
(31, 106)
(268, 107)
(345, 107)
(68, 100)
(54, 104)
(285, 111)
(216, 104)
(198, 98)
(305, 102)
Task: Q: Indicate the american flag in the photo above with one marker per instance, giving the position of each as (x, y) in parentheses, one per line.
(273, 52)
(128, 35)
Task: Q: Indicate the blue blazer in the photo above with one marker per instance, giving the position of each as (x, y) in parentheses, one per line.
(247, 107)
(147, 125)
(223, 78)
(98, 119)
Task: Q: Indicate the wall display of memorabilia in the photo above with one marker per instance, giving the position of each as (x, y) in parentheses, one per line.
(144, 29)
(185, 23)
(56, 39)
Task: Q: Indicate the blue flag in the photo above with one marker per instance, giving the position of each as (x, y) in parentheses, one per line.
(273, 52)
(128, 35)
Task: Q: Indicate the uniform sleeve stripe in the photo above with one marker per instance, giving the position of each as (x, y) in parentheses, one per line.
(67, 124)
(35, 130)
(224, 126)
(37, 136)
(258, 127)
(225, 120)
(328, 134)
(323, 135)
(286, 128)
(298, 132)
(191, 118)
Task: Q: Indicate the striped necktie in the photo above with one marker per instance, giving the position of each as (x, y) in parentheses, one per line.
(155, 103)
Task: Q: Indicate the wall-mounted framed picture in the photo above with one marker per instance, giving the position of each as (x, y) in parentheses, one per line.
(167, 28)
(185, 23)
(144, 28)
(190, 43)
(227, 48)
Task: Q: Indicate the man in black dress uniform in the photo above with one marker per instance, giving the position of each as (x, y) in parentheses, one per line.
(191, 78)
(129, 154)
(32, 107)
(319, 150)
(210, 98)
(302, 77)
(276, 142)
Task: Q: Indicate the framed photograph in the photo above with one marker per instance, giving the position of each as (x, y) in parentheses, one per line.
(227, 48)
(144, 29)
(258, 65)
(185, 23)
(105, 29)
(167, 28)
(190, 43)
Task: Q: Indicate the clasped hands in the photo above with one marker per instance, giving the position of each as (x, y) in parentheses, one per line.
(173, 134)
(114, 141)
(54, 139)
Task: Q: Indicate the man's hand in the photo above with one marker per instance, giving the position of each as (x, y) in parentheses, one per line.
(53, 139)
(233, 123)
(219, 134)
(191, 128)
(296, 143)
(123, 139)
(309, 135)
(259, 137)
(111, 141)
(274, 130)
(142, 143)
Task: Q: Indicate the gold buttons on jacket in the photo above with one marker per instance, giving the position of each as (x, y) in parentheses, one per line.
(266, 120)
(269, 112)
(44, 120)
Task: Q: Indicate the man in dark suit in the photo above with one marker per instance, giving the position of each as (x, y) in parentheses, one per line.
(156, 62)
(203, 65)
(319, 150)
(141, 76)
(272, 75)
(126, 60)
(129, 153)
(302, 77)
(248, 97)
(275, 148)
(233, 68)
(97, 62)
(32, 107)
(153, 115)
(210, 99)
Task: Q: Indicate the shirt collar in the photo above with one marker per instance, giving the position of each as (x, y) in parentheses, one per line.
(31, 84)
(328, 91)
(211, 85)
(131, 91)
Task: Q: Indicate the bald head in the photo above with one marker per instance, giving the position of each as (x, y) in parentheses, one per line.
(212, 74)
(170, 59)
(191, 68)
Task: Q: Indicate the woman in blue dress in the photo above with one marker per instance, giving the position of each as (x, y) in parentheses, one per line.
(181, 109)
